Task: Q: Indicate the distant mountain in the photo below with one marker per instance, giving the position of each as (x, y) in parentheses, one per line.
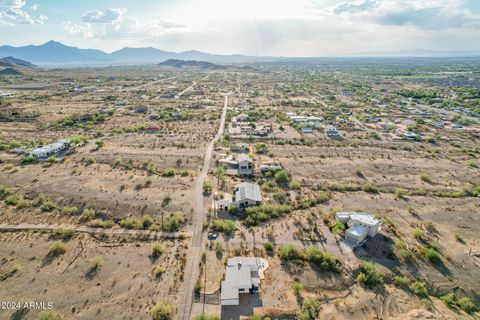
(56, 53)
(14, 62)
(191, 64)
(10, 71)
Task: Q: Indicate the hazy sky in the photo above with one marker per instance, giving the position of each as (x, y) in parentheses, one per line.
(260, 27)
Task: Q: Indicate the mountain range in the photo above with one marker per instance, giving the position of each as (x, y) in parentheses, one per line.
(56, 53)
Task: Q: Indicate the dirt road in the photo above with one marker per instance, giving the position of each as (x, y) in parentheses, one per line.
(193, 257)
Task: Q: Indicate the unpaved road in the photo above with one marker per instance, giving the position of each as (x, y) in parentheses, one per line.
(193, 257)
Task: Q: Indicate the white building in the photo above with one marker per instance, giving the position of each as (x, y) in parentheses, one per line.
(247, 194)
(362, 225)
(50, 149)
(241, 276)
(245, 165)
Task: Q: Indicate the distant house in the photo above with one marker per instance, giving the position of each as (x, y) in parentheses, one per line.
(361, 224)
(331, 132)
(240, 147)
(272, 166)
(242, 117)
(50, 149)
(247, 194)
(307, 130)
(245, 165)
(242, 275)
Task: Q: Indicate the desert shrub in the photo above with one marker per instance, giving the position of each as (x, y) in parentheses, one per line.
(418, 234)
(88, 214)
(432, 256)
(226, 226)
(338, 228)
(48, 206)
(308, 310)
(173, 222)
(401, 251)
(130, 223)
(157, 250)
(369, 275)
(268, 246)
(28, 159)
(49, 315)
(294, 185)
(99, 143)
(419, 289)
(370, 188)
(467, 305)
(322, 259)
(459, 237)
(98, 223)
(401, 281)
(158, 271)
(147, 221)
(264, 212)
(449, 299)
(52, 159)
(62, 233)
(11, 200)
(69, 210)
(169, 172)
(425, 177)
(96, 262)
(4, 191)
(161, 311)
(288, 252)
(281, 177)
(22, 204)
(57, 248)
(297, 287)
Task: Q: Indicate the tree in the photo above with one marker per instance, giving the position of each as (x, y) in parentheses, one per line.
(161, 311)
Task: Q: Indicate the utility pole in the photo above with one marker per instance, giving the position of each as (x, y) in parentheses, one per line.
(204, 287)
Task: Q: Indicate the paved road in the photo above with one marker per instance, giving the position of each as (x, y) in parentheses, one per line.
(193, 257)
(53, 227)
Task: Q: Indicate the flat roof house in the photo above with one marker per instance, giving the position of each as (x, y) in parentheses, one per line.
(241, 276)
(362, 225)
(50, 149)
(331, 132)
(247, 194)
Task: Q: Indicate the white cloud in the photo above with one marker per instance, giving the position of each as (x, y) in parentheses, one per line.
(111, 15)
(12, 12)
(35, 7)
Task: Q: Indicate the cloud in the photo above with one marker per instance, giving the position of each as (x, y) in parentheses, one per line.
(106, 16)
(353, 7)
(12, 12)
(35, 7)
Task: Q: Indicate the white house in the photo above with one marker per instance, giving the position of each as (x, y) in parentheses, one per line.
(50, 149)
(361, 224)
(241, 276)
(247, 194)
(245, 165)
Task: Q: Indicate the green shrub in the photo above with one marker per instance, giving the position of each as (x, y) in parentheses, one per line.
(369, 275)
(169, 172)
(268, 246)
(207, 187)
(88, 214)
(62, 233)
(52, 159)
(49, 315)
(281, 177)
(130, 223)
(401, 251)
(418, 234)
(48, 206)
(297, 287)
(28, 159)
(401, 281)
(11, 200)
(467, 305)
(69, 210)
(419, 289)
(147, 221)
(173, 222)
(158, 271)
(338, 228)
(96, 262)
(161, 311)
(288, 252)
(449, 299)
(22, 204)
(294, 185)
(4, 191)
(226, 226)
(157, 250)
(322, 259)
(308, 310)
(57, 248)
(432, 256)
(98, 223)
(370, 188)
